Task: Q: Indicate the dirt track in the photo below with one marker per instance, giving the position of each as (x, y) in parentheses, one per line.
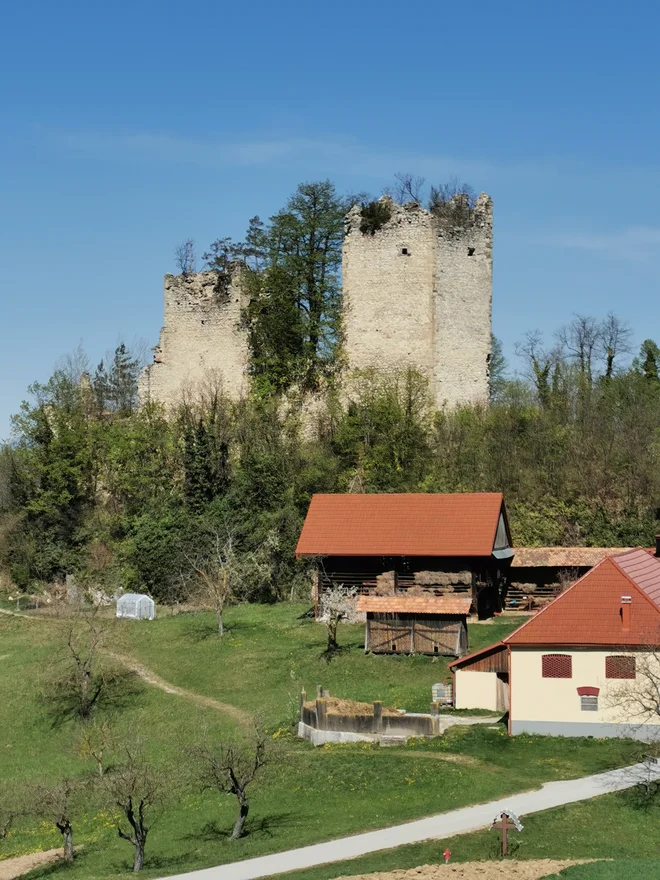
(534, 869)
(158, 682)
(10, 869)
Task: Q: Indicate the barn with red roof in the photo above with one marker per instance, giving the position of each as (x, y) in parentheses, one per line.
(412, 545)
(583, 665)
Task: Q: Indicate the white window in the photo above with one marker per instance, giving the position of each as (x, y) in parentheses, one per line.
(588, 703)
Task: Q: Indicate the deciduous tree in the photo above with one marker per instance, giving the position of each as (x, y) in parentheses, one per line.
(231, 769)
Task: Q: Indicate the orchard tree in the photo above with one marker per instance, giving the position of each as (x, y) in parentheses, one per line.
(55, 803)
(231, 769)
(140, 791)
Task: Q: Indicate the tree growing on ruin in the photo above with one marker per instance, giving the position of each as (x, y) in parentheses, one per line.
(231, 768)
(185, 258)
(294, 312)
(453, 202)
(407, 187)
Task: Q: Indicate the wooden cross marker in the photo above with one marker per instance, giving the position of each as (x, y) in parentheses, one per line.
(506, 821)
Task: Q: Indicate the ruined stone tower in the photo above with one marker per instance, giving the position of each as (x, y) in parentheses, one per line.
(202, 338)
(418, 292)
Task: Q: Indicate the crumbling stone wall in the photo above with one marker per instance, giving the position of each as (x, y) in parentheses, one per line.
(202, 339)
(418, 292)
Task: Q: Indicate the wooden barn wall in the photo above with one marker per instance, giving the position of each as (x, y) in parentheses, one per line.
(410, 634)
(495, 662)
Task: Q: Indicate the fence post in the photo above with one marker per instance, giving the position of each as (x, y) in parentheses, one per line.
(321, 713)
(303, 700)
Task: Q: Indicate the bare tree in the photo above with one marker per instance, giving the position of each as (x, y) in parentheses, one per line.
(231, 769)
(224, 575)
(185, 258)
(83, 679)
(615, 340)
(636, 698)
(13, 805)
(335, 605)
(580, 341)
(141, 792)
(453, 201)
(539, 361)
(56, 803)
(96, 740)
(408, 188)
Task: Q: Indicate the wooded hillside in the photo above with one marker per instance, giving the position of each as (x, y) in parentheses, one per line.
(125, 498)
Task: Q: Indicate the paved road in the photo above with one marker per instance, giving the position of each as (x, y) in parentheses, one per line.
(552, 794)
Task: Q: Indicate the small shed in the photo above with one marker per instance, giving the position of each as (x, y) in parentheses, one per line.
(415, 624)
(136, 606)
(481, 679)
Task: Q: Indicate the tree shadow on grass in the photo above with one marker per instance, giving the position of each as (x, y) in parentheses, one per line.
(333, 653)
(199, 629)
(266, 826)
(164, 863)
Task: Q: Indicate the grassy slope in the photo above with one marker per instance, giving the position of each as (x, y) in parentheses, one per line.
(269, 654)
(306, 794)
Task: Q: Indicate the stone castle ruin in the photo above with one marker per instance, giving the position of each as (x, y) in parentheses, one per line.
(417, 291)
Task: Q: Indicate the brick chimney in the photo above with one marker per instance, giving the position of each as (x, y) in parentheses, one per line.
(626, 602)
(657, 546)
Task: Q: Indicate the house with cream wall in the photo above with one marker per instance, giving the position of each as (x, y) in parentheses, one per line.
(581, 665)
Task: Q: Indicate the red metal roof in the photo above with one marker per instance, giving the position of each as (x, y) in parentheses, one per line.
(401, 525)
(589, 613)
(414, 605)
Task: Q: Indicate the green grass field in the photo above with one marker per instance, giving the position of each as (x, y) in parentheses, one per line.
(305, 794)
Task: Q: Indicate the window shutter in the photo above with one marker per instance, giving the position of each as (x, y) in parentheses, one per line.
(620, 666)
(557, 666)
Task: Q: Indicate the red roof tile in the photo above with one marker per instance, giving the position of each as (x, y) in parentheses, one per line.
(644, 570)
(414, 605)
(589, 613)
(562, 557)
(401, 525)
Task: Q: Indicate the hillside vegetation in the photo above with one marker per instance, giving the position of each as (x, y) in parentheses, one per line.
(304, 794)
(125, 498)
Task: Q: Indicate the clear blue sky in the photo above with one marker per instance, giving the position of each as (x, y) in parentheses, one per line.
(129, 126)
